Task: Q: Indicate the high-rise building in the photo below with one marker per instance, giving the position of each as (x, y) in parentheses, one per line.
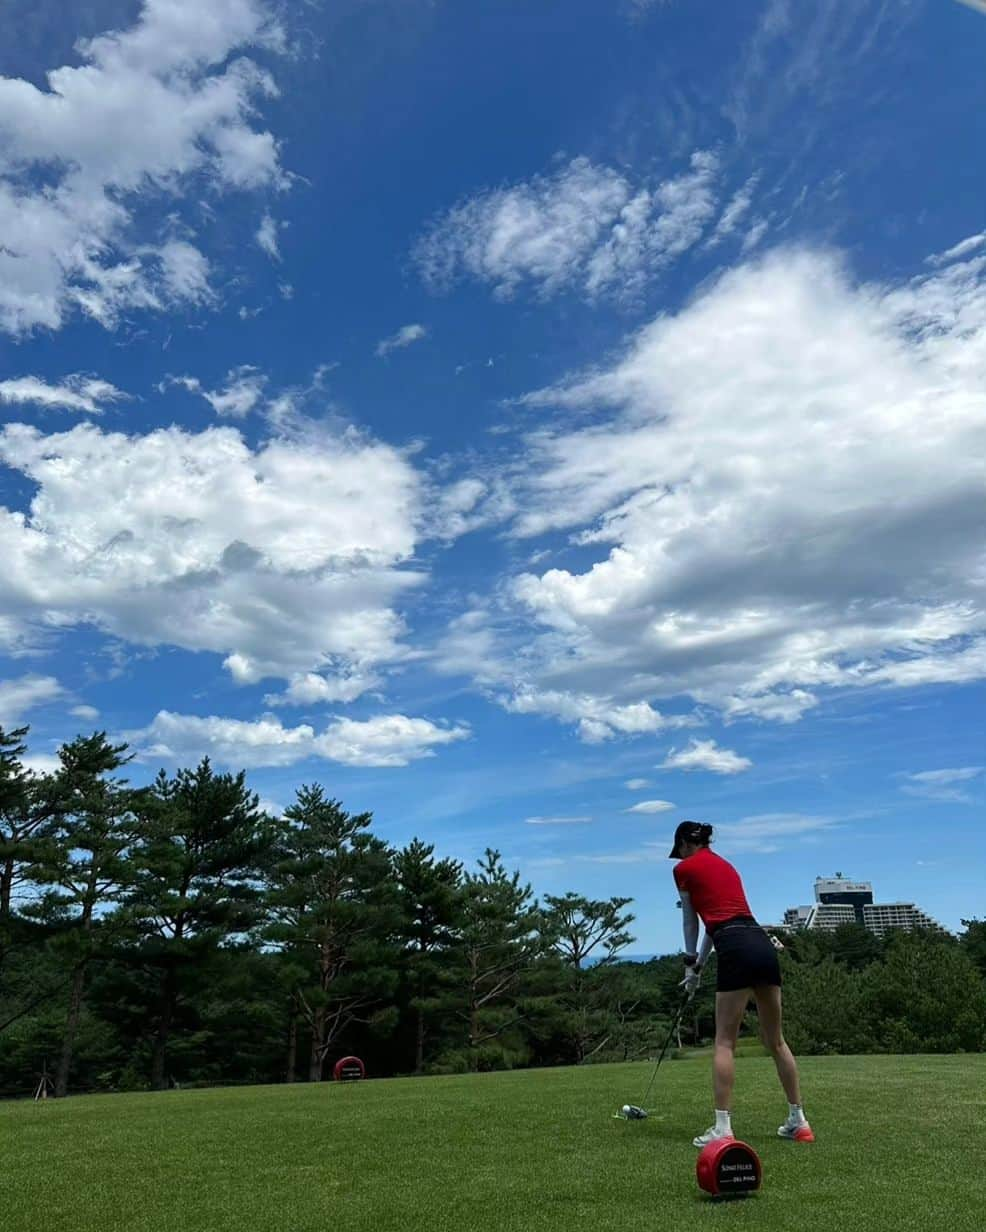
(878, 917)
(839, 889)
(827, 917)
(839, 900)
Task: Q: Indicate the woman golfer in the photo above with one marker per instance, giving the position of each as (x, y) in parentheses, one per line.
(711, 890)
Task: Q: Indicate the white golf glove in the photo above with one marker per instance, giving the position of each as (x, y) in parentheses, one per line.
(693, 977)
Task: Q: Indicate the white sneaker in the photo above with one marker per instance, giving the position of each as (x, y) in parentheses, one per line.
(796, 1131)
(711, 1135)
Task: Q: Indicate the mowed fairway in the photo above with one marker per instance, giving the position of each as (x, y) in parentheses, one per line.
(901, 1145)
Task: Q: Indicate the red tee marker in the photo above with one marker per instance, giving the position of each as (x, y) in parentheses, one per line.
(728, 1167)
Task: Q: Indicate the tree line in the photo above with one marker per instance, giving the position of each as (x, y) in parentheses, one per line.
(176, 933)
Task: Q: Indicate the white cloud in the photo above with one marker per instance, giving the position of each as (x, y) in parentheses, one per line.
(597, 720)
(89, 713)
(243, 391)
(706, 755)
(556, 821)
(287, 559)
(151, 111)
(964, 248)
(636, 784)
(942, 785)
(769, 832)
(388, 740)
(267, 237)
(77, 392)
(403, 338)
(782, 488)
(42, 763)
(250, 744)
(736, 210)
(26, 693)
(312, 688)
(651, 806)
(583, 225)
(755, 234)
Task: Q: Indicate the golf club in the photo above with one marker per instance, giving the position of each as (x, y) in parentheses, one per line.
(637, 1112)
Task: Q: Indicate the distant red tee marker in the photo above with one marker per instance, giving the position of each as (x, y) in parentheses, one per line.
(349, 1069)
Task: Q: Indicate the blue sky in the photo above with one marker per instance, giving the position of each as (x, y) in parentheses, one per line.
(537, 423)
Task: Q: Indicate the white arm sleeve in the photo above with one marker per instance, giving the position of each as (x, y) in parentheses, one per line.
(689, 919)
(689, 922)
(706, 948)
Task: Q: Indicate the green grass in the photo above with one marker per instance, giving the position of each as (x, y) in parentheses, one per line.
(901, 1145)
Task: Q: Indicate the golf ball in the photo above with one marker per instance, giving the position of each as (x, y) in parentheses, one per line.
(626, 1109)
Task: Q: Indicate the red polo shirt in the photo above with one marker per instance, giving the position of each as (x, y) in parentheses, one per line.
(713, 885)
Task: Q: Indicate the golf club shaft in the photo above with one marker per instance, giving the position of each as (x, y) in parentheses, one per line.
(674, 1026)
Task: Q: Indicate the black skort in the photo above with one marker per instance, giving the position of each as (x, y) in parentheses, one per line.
(745, 956)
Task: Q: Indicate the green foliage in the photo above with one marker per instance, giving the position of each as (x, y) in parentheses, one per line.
(200, 851)
(825, 1009)
(927, 996)
(177, 934)
(587, 1009)
(499, 941)
(974, 943)
(334, 911)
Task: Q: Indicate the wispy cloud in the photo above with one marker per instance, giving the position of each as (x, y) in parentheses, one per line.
(78, 392)
(267, 236)
(556, 821)
(706, 755)
(651, 806)
(942, 785)
(583, 225)
(243, 391)
(26, 693)
(734, 212)
(769, 832)
(636, 784)
(403, 338)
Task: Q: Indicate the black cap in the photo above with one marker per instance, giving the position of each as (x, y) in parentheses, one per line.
(689, 832)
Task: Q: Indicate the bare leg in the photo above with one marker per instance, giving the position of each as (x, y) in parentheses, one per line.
(769, 1008)
(730, 1008)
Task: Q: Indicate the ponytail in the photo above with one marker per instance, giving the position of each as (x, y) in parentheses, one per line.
(705, 834)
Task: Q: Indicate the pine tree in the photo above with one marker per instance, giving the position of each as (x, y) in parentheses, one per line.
(430, 901)
(335, 915)
(197, 864)
(578, 928)
(28, 804)
(499, 943)
(85, 863)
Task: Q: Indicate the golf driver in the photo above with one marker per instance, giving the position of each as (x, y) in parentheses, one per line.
(636, 1112)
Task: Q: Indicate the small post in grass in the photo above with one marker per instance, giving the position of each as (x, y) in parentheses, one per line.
(45, 1087)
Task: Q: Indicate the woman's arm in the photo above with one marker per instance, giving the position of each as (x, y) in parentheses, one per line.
(690, 922)
(703, 954)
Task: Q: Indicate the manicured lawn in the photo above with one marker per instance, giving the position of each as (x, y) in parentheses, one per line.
(901, 1145)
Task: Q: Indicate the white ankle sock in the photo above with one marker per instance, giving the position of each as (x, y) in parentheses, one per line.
(723, 1125)
(795, 1113)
